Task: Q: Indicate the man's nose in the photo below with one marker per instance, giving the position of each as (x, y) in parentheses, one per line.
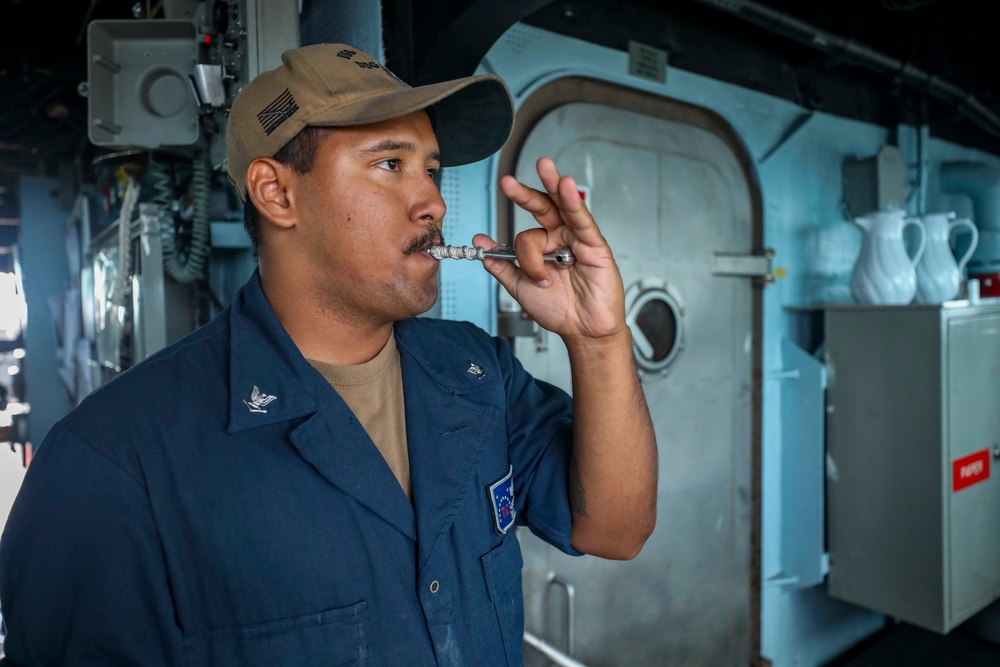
(428, 205)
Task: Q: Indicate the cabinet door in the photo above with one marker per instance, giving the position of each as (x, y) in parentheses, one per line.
(973, 409)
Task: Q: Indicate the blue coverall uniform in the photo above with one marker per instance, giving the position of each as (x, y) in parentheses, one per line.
(178, 517)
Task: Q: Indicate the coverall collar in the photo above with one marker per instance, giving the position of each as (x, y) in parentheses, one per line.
(443, 417)
(264, 356)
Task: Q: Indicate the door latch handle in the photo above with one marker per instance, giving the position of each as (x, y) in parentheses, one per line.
(554, 579)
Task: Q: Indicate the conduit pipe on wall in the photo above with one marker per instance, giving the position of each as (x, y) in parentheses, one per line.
(981, 183)
(860, 54)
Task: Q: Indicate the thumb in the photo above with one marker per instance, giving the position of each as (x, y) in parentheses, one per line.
(506, 273)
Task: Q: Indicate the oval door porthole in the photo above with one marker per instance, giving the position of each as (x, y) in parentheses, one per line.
(655, 317)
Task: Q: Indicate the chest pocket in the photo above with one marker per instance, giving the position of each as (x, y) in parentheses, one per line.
(335, 637)
(502, 569)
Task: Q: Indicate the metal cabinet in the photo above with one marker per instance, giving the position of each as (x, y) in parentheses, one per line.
(913, 434)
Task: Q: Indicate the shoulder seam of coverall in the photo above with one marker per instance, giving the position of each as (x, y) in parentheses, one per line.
(103, 455)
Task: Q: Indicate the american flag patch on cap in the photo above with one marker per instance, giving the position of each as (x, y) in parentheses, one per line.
(277, 112)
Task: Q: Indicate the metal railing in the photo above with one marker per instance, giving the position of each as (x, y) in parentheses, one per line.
(552, 653)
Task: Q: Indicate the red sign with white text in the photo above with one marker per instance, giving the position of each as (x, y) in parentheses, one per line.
(970, 470)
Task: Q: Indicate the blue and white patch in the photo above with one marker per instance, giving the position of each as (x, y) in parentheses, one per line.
(502, 502)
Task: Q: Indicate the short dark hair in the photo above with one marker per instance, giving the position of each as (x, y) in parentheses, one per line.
(300, 155)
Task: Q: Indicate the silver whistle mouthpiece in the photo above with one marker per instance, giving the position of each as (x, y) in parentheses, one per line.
(562, 257)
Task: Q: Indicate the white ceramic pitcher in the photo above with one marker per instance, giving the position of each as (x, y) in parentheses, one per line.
(884, 272)
(939, 276)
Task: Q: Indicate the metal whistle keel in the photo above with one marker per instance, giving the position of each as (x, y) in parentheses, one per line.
(562, 257)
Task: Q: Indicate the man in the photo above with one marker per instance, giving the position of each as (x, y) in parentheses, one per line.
(318, 477)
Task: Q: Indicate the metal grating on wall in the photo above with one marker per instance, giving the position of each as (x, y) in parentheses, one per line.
(448, 300)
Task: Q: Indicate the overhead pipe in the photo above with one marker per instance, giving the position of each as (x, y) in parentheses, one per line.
(822, 40)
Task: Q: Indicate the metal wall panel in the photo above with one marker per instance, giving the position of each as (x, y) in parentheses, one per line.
(884, 502)
(45, 275)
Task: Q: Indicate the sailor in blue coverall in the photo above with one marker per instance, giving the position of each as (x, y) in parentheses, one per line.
(220, 504)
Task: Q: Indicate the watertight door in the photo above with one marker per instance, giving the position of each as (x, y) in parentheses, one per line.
(668, 196)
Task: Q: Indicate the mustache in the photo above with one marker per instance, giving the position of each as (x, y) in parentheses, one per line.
(429, 238)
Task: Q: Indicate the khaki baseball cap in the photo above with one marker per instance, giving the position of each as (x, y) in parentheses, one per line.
(336, 85)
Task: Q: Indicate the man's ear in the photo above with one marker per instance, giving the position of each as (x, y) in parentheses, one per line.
(266, 186)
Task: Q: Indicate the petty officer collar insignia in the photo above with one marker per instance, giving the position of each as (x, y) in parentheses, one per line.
(258, 400)
(476, 369)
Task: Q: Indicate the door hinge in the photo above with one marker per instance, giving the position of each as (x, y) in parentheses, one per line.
(757, 267)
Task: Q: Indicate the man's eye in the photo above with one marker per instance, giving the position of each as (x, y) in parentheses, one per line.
(390, 165)
(432, 172)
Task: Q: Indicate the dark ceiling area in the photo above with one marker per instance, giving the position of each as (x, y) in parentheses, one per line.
(880, 61)
(43, 59)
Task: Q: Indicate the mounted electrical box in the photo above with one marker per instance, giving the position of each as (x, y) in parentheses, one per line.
(877, 183)
(139, 89)
(170, 82)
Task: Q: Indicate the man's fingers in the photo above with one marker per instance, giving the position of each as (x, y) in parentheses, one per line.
(576, 215)
(549, 175)
(506, 273)
(538, 204)
(565, 194)
(529, 246)
(559, 206)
